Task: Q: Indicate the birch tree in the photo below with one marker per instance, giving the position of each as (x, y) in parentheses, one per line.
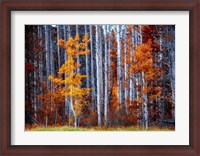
(47, 46)
(98, 76)
(126, 70)
(86, 64)
(58, 48)
(119, 65)
(92, 68)
(106, 77)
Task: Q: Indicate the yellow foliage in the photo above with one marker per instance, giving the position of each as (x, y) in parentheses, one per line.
(61, 42)
(72, 80)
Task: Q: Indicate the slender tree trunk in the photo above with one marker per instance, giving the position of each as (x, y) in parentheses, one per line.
(69, 31)
(161, 102)
(92, 69)
(52, 64)
(106, 77)
(40, 64)
(144, 85)
(35, 78)
(56, 116)
(131, 84)
(72, 107)
(119, 66)
(171, 53)
(58, 47)
(87, 67)
(101, 68)
(47, 47)
(52, 67)
(98, 77)
(125, 72)
(46, 121)
(41, 59)
(109, 61)
(67, 104)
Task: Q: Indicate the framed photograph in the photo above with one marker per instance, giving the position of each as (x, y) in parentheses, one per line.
(100, 77)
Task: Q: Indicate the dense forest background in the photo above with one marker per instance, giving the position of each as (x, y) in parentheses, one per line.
(100, 75)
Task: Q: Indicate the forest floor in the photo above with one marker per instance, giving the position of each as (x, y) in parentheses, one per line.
(103, 128)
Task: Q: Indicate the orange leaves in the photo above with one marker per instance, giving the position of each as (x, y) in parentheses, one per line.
(143, 61)
(138, 100)
(61, 42)
(78, 93)
(55, 80)
(73, 49)
(155, 95)
(115, 102)
(146, 90)
(113, 53)
(68, 67)
(158, 89)
(70, 84)
(50, 99)
(143, 65)
(84, 52)
(73, 79)
(77, 38)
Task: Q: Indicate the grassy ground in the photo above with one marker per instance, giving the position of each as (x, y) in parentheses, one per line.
(66, 128)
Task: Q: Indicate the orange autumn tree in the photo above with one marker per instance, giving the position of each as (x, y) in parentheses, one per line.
(50, 104)
(70, 80)
(145, 71)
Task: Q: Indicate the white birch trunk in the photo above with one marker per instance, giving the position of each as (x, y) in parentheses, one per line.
(146, 113)
(52, 65)
(47, 47)
(67, 104)
(72, 108)
(101, 68)
(144, 85)
(98, 77)
(69, 31)
(65, 59)
(119, 64)
(92, 69)
(125, 72)
(106, 77)
(131, 85)
(58, 48)
(109, 61)
(87, 67)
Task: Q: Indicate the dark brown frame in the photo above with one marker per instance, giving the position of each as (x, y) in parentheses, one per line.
(193, 149)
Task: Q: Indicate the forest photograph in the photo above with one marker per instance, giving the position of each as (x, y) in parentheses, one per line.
(99, 77)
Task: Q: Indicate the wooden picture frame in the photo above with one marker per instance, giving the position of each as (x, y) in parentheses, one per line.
(94, 5)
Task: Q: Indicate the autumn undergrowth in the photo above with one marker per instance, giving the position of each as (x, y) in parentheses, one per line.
(97, 128)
